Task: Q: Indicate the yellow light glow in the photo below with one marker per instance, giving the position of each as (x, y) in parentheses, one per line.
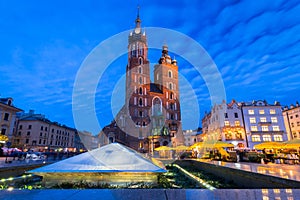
(276, 191)
(265, 191)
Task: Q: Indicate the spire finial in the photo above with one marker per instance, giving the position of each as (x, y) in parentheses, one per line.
(138, 11)
(138, 20)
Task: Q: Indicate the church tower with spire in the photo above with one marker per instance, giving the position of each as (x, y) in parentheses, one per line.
(138, 77)
(151, 114)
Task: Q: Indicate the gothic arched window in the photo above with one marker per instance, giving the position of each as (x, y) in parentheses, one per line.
(156, 107)
(171, 95)
(140, 61)
(140, 101)
(141, 90)
(170, 86)
(170, 74)
(141, 80)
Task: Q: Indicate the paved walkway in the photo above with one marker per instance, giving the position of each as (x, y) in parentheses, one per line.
(12, 163)
(286, 171)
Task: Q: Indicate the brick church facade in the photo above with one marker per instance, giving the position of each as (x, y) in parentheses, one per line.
(151, 114)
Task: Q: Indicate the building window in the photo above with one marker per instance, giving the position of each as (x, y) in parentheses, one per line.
(20, 127)
(275, 128)
(255, 138)
(29, 126)
(251, 112)
(171, 95)
(52, 130)
(264, 128)
(291, 117)
(41, 134)
(278, 138)
(292, 124)
(46, 128)
(6, 116)
(170, 86)
(236, 115)
(141, 102)
(140, 70)
(237, 123)
(296, 116)
(274, 119)
(267, 138)
(19, 133)
(172, 116)
(253, 128)
(272, 111)
(28, 132)
(298, 123)
(27, 141)
(261, 112)
(141, 90)
(3, 131)
(170, 74)
(252, 120)
(263, 119)
(228, 136)
(141, 80)
(141, 113)
(40, 141)
(226, 115)
(42, 128)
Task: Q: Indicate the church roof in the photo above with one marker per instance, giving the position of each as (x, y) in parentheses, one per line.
(154, 88)
(113, 157)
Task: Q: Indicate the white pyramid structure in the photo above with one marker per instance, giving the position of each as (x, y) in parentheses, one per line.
(112, 163)
(113, 157)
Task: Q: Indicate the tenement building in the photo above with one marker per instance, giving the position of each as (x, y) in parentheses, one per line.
(245, 124)
(151, 114)
(291, 116)
(8, 117)
(225, 123)
(36, 132)
(263, 122)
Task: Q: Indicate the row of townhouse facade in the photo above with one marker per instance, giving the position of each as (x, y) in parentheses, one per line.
(35, 131)
(247, 124)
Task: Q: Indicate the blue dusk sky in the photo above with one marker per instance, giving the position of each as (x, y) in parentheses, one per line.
(254, 46)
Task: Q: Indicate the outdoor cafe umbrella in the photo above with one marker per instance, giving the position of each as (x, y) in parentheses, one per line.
(180, 148)
(216, 144)
(269, 145)
(197, 144)
(163, 148)
(294, 143)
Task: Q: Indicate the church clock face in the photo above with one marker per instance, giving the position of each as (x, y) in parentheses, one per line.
(137, 30)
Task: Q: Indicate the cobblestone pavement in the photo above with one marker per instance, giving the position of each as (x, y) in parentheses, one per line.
(286, 171)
